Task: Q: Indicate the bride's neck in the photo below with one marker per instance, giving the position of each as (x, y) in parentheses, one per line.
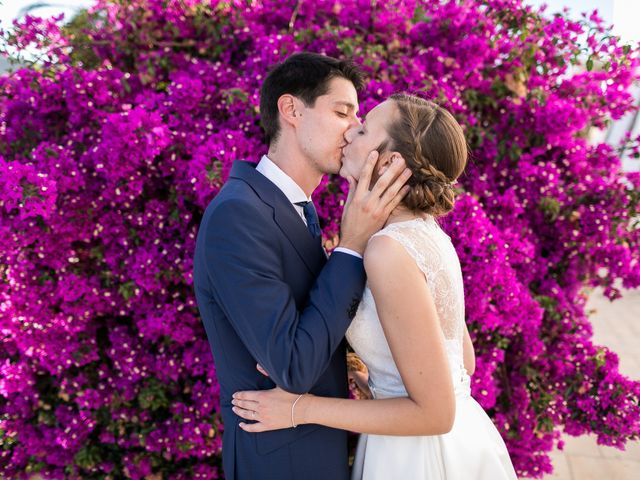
(402, 214)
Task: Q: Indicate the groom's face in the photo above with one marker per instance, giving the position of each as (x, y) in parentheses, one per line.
(321, 133)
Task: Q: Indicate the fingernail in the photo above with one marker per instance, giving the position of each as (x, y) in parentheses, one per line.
(241, 425)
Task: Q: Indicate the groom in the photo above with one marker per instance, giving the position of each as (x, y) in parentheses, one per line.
(265, 289)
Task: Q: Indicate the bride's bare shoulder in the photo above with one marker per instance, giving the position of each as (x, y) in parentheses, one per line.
(385, 255)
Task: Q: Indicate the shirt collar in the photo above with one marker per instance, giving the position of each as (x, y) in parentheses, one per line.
(284, 182)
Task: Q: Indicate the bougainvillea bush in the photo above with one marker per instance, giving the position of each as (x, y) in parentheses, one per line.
(115, 138)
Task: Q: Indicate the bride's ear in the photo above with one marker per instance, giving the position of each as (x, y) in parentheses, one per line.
(385, 160)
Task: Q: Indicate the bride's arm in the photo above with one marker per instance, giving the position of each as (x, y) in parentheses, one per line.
(469, 356)
(412, 329)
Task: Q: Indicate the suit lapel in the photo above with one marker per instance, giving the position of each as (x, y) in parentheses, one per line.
(308, 248)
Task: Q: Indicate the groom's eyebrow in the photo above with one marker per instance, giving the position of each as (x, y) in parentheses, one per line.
(349, 105)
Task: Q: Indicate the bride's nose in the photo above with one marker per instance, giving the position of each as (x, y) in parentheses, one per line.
(350, 134)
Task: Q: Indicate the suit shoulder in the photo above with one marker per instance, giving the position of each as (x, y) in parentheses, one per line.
(235, 212)
(236, 196)
(234, 190)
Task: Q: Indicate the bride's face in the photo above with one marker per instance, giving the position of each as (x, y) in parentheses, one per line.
(363, 139)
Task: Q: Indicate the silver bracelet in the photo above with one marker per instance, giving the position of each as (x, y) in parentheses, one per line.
(293, 422)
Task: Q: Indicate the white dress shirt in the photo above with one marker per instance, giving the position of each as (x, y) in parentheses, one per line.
(291, 190)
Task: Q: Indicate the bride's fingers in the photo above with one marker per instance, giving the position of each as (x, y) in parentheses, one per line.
(352, 189)
(246, 404)
(365, 174)
(244, 413)
(252, 427)
(247, 395)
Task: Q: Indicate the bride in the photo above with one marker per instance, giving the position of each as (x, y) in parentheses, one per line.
(422, 422)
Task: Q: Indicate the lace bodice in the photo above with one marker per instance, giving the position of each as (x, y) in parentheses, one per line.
(436, 257)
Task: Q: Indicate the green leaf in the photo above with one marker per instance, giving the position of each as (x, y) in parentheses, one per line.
(153, 396)
(231, 94)
(551, 208)
(127, 290)
(29, 190)
(419, 15)
(600, 357)
(88, 457)
(97, 253)
(125, 84)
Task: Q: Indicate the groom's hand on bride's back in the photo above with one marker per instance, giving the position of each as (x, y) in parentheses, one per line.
(366, 211)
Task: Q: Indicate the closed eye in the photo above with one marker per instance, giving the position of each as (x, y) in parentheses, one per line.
(342, 115)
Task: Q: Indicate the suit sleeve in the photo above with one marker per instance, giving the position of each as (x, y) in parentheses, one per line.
(244, 264)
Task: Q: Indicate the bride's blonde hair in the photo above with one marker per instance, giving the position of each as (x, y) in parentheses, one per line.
(434, 148)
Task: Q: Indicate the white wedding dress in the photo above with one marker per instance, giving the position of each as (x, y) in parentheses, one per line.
(473, 449)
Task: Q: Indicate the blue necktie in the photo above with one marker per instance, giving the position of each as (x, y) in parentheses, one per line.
(310, 214)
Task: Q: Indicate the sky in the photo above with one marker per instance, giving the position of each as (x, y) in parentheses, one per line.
(623, 14)
(9, 9)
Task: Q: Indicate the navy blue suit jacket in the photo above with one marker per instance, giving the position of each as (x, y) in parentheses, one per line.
(267, 294)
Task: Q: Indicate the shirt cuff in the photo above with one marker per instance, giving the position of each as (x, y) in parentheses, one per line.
(347, 251)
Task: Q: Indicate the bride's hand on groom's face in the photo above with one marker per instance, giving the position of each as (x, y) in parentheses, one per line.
(366, 210)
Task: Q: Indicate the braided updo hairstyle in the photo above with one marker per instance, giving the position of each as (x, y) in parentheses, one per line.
(434, 148)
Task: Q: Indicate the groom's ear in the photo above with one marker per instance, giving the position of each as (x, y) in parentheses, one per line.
(290, 108)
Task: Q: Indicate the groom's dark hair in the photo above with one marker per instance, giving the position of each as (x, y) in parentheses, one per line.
(306, 76)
